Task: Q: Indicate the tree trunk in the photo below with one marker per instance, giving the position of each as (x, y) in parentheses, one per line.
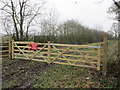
(15, 24)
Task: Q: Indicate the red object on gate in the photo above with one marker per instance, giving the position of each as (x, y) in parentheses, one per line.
(34, 46)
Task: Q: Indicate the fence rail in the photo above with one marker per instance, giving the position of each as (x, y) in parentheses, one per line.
(67, 54)
(4, 47)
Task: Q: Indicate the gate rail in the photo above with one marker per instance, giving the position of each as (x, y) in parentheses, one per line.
(67, 54)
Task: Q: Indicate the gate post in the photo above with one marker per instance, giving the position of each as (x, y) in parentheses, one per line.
(10, 46)
(99, 58)
(105, 49)
(49, 53)
(12, 49)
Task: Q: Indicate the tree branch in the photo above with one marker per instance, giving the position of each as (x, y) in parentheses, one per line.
(117, 4)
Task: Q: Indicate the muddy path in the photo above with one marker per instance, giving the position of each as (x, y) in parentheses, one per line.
(21, 73)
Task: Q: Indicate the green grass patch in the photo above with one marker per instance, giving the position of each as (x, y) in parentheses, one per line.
(61, 76)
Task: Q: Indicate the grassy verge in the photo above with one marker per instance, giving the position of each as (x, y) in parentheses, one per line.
(101, 43)
(40, 75)
(63, 77)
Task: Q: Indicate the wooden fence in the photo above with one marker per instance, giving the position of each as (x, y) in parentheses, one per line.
(4, 46)
(76, 55)
(67, 54)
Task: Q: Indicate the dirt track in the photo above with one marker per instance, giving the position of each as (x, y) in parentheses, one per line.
(22, 72)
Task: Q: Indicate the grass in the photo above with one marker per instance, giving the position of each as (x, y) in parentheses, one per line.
(101, 43)
(55, 76)
(62, 76)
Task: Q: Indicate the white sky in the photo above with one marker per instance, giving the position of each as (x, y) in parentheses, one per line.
(88, 12)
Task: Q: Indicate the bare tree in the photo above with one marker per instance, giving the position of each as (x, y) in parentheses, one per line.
(113, 9)
(6, 23)
(114, 30)
(23, 15)
(50, 24)
(118, 55)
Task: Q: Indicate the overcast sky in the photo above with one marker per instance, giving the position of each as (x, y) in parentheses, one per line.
(88, 12)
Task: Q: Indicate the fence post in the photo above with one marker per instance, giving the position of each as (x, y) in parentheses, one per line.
(10, 46)
(49, 53)
(99, 58)
(12, 49)
(105, 49)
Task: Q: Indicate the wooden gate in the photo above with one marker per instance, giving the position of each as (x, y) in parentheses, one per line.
(67, 54)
